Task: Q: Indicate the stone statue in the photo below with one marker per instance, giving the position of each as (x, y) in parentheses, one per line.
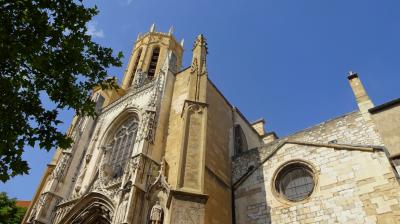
(120, 215)
(156, 214)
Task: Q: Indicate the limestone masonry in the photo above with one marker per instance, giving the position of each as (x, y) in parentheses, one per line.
(167, 147)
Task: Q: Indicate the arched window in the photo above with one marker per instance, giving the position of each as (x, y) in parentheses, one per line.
(295, 181)
(153, 62)
(120, 146)
(240, 140)
(135, 66)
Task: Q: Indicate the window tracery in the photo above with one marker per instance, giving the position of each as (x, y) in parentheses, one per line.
(120, 146)
(295, 181)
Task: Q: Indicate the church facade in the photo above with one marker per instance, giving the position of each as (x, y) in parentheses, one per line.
(167, 147)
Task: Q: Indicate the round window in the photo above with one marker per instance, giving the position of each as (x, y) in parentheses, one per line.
(295, 182)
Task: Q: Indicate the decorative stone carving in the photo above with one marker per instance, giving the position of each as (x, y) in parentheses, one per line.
(122, 207)
(194, 107)
(157, 89)
(194, 67)
(130, 169)
(147, 127)
(139, 78)
(61, 166)
(83, 172)
(161, 181)
(151, 126)
(156, 214)
(127, 100)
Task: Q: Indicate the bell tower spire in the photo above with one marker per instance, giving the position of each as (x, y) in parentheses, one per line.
(149, 52)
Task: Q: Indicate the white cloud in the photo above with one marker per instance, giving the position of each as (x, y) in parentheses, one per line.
(93, 31)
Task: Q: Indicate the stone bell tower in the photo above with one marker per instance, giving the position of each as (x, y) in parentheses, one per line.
(149, 50)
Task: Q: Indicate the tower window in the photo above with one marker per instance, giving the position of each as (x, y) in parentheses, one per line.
(240, 140)
(135, 66)
(153, 62)
(121, 146)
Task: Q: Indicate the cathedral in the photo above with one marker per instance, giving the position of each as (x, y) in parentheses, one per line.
(168, 147)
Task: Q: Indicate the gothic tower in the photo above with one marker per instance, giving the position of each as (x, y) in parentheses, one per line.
(143, 159)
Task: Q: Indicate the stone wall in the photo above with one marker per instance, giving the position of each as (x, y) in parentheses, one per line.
(351, 128)
(173, 133)
(387, 120)
(218, 160)
(353, 185)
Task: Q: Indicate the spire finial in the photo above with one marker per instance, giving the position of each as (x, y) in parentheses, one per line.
(182, 41)
(171, 30)
(153, 27)
(351, 74)
(202, 42)
(139, 36)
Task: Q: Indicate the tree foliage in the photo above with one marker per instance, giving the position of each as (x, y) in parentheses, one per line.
(9, 212)
(45, 53)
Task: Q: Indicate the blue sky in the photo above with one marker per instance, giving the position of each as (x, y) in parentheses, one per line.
(284, 60)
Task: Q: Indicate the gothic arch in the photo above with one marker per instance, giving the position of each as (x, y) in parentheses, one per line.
(91, 209)
(118, 120)
(118, 149)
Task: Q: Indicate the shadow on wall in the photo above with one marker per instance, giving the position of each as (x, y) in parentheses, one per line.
(251, 206)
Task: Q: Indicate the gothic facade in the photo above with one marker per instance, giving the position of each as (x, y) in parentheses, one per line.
(167, 147)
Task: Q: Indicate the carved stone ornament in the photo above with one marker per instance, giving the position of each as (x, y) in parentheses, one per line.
(139, 78)
(194, 67)
(147, 127)
(160, 183)
(195, 107)
(128, 100)
(61, 166)
(121, 210)
(131, 167)
(151, 126)
(156, 214)
(202, 42)
(157, 89)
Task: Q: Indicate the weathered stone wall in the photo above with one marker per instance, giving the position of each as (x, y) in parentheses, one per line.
(351, 128)
(252, 137)
(217, 162)
(173, 137)
(387, 121)
(352, 186)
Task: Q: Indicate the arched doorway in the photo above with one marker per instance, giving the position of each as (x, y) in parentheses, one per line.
(94, 208)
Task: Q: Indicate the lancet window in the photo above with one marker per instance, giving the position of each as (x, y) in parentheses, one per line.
(120, 146)
(153, 62)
